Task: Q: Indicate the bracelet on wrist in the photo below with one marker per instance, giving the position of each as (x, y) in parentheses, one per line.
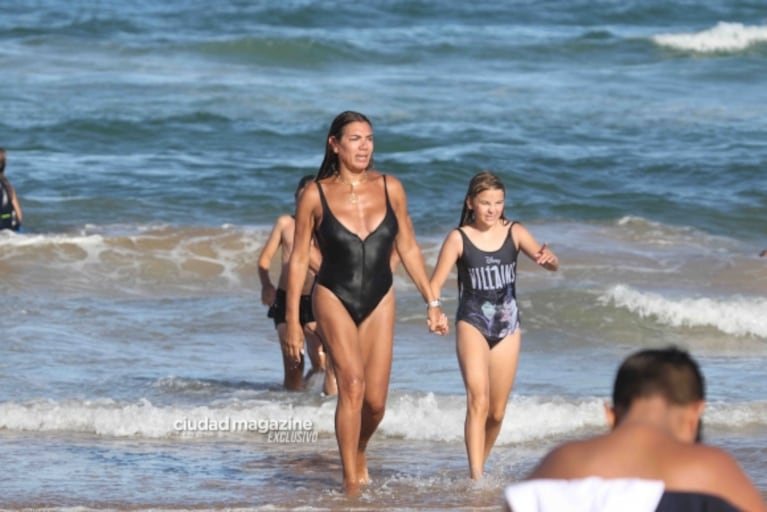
(436, 303)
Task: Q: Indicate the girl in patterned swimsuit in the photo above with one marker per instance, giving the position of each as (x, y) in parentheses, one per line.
(484, 248)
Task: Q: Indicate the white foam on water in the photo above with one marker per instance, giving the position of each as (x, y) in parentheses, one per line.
(723, 37)
(426, 417)
(737, 315)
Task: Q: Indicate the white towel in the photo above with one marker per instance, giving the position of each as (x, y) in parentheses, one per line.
(585, 495)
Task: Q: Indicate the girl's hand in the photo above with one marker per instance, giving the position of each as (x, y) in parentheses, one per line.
(437, 321)
(545, 258)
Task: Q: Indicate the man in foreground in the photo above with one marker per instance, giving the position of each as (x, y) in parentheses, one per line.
(651, 460)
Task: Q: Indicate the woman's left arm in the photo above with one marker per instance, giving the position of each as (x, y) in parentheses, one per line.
(412, 258)
(541, 254)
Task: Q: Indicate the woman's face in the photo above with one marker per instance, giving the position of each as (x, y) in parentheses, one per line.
(355, 147)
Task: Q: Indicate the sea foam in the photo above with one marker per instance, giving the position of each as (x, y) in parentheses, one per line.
(738, 315)
(428, 417)
(724, 37)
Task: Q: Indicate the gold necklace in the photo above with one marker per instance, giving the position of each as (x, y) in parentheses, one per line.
(353, 197)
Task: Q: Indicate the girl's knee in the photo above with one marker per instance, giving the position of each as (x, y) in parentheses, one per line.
(478, 403)
(495, 417)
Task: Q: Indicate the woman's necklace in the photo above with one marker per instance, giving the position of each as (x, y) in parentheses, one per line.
(353, 197)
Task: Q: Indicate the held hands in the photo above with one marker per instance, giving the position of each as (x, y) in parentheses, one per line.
(293, 343)
(545, 258)
(437, 321)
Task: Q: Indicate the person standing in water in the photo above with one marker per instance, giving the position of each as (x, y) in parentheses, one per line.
(358, 215)
(10, 208)
(281, 237)
(484, 248)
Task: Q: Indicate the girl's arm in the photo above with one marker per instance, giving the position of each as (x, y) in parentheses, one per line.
(541, 254)
(451, 250)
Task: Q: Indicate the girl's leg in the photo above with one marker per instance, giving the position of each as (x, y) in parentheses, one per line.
(473, 357)
(503, 369)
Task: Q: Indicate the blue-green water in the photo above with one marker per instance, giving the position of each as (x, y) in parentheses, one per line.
(152, 145)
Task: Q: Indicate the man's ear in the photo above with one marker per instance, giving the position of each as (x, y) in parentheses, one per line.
(696, 414)
(609, 415)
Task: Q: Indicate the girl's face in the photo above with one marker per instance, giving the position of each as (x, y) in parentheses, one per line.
(355, 147)
(487, 207)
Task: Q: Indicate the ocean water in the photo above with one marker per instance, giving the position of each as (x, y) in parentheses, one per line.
(152, 145)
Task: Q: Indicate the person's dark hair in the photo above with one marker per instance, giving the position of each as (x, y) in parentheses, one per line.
(480, 182)
(671, 373)
(329, 164)
(2, 160)
(302, 183)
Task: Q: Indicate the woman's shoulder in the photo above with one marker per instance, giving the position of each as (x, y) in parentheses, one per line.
(391, 180)
(310, 196)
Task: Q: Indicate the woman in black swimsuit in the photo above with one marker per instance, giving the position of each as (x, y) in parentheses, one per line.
(358, 216)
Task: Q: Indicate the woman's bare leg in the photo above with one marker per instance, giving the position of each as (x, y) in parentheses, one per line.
(341, 338)
(376, 342)
(314, 348)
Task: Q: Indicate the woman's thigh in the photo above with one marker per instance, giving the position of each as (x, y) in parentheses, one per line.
(376, 337)
(339, 333)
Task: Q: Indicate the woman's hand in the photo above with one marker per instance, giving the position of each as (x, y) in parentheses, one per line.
(437, 321)
(293, 343)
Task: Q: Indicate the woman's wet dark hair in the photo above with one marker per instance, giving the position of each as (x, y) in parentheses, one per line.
(329, 164)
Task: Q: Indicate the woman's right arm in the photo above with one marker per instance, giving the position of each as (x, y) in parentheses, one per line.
(297, 268)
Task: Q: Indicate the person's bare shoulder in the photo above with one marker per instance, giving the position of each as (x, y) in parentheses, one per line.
(395, 190)
(284, 222)
(563, 462)
(309, 201)
(713, 470)
(393, 184)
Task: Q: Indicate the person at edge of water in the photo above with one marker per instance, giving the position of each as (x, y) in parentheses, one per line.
(10, 208)
(484, 247)
(651, 460)
(357, 215)
(281, 237)
(763, 253)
